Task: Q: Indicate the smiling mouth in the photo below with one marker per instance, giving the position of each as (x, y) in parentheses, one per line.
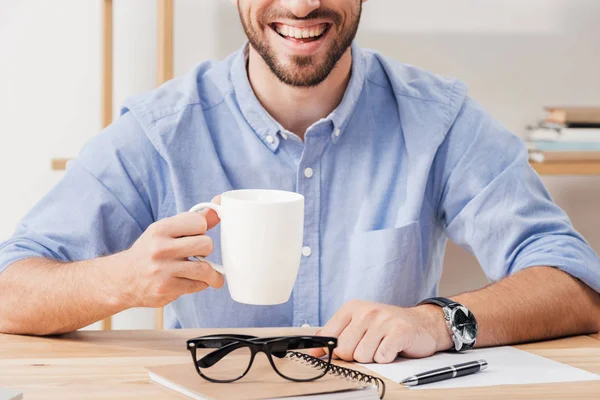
(301, 35)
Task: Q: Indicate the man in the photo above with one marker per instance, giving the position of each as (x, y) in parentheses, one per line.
(391, 161)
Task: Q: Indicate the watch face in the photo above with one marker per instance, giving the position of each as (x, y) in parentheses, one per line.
(464, 324)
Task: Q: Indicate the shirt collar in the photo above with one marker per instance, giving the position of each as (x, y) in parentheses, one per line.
(266, 128)
(341, 115)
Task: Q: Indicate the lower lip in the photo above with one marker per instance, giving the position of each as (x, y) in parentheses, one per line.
(302, 48)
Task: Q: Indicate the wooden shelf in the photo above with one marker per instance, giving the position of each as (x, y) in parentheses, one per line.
(567, 168)
(547, 168)
(59, 164)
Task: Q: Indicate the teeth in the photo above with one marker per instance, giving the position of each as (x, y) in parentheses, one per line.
(299, 33)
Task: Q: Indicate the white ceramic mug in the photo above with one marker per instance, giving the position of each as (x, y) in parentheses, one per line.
(261, 243)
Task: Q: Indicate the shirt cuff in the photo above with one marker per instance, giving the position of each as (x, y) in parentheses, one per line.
(567, 253)
(19, 249)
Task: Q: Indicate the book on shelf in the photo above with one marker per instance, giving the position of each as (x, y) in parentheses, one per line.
(574, 116)
(550, 145)
(566, 134)
(540, 156)
(546, 132)
(557, 151)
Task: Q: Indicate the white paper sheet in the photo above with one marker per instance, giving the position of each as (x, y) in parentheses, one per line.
(6, 394)
(506, 366)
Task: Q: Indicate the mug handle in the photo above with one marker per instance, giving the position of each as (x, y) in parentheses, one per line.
(218, 209)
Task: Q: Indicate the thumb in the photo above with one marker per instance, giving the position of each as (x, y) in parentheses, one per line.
(212, 218)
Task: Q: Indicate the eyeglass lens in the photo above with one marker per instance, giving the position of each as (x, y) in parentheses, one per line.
(233, 361)
(291, 359)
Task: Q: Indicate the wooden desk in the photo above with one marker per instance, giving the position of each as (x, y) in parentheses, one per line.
(110, 365)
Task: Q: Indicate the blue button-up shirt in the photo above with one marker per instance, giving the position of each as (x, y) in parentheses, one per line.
(406, 160)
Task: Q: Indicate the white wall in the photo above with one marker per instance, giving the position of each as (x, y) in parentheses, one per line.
(49, 99)
(516, 57)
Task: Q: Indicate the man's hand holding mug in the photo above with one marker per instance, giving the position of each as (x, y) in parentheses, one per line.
(261, 244)
(160, 270)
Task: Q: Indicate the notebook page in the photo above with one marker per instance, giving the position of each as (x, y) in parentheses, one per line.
(506, 366)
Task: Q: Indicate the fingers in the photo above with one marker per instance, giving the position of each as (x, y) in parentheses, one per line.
(188, 286)
(334, 328)
(211, 215)
(365, 351)
(184, 224)
(188, 246)
(199, 271)
(317, 352)
(349, 339)
(337, 323)
(320, 352)
(188, 223)
(370, 332)
(388, 349)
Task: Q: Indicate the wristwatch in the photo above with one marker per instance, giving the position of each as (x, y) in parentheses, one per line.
(461, 322)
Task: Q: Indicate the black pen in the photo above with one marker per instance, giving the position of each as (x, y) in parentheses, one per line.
(440, 374)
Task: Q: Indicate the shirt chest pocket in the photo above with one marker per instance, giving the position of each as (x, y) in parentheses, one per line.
(385, 265)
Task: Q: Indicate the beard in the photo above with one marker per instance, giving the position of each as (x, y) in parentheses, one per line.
(303, 71)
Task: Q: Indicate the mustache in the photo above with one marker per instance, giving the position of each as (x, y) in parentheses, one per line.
(319, 13)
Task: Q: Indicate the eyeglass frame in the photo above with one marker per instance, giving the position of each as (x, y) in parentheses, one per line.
(257, 345)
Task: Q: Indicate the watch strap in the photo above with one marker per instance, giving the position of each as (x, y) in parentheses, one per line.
(438, 301)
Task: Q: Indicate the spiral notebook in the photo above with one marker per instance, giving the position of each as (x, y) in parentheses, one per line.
(262, 382)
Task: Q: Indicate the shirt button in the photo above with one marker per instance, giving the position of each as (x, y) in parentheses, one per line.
(305, 326)
(308, 172)
(306, 251)
(270, 139)
(337, 132)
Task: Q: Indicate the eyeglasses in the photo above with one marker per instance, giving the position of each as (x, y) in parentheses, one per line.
(234, 355)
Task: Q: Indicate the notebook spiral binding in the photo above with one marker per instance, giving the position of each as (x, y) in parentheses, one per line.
(345, 373)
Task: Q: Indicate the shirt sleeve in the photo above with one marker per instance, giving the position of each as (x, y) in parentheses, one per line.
(493, 204)
(108, 196)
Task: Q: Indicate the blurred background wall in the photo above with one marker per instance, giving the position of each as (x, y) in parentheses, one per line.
(516, 56)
